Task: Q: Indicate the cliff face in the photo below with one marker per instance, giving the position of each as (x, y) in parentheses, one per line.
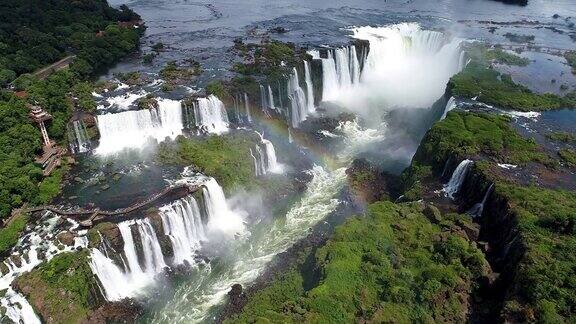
(526, 231)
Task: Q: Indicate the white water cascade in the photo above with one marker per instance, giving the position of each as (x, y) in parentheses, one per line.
(405, 67)
(458, 176)
(221, 219)
(266, 162)
(451, 104)
(40, 238)
(309, 88)
(183, 224)
(210, 115)
(134, 128)
(271, 99)
(130, 278)
(298, 105)
(247, 108)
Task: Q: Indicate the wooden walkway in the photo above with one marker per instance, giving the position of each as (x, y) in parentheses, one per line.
(86, 217)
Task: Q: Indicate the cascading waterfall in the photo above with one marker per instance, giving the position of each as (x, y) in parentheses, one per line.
(183, 224)
(299, 110)
(81, 140)
(271, 99)
(221, 219)
(153, 257)
(330, 87)
(405, 67)
(247, 108)
(451, 104)
(309, 88)
(133, 129)
(458, 176)
(39, 239)
(340, 71)
(478, 209)
(264, 100)
(266, 162)
(130, 278)
(211, 115)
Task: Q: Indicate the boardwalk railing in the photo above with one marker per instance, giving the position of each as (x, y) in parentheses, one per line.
(94, 213)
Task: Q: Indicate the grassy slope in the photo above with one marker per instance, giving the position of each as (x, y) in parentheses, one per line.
(9, 235)
(391, 265)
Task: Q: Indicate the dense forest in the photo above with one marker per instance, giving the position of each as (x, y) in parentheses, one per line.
(37, 33)
(34, 34)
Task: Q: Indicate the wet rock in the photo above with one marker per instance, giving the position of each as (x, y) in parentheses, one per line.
(66, 238)
(79, 180)
(369, 183)
(3, 268)
(432, 213)
(278, 30)
(105, 187)
(17, 260)
(472, 230)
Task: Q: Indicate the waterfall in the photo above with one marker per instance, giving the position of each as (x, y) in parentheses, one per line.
(271, 99)
(453, 186)
(81, 140)
(257, 169)
(451, 104)
(211, 115)
(247, 108)
(221, 219)
(329, 78)
(127, 280)
(478, 209)
(340, 71)
(153, 257)
(134, 128)
(266, 161)
(309, 88)
(297, 98)
(290, 139)
(182, 223)
(405, 67)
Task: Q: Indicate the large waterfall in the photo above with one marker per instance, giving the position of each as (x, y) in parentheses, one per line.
(134, 128)
(210, 115)
(129, 279)
(405, 67)
(457, 179)
(182, 222)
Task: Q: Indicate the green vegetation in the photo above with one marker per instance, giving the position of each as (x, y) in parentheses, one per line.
(9, 235)
(218, 89)
(492, 87)
(464, 134)
(571, 59)
(563, 137)
(568, 156)
(226, 158)
(393, 265)
(35, 34)
(272, 59)
(64, 289)
(543, 289)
